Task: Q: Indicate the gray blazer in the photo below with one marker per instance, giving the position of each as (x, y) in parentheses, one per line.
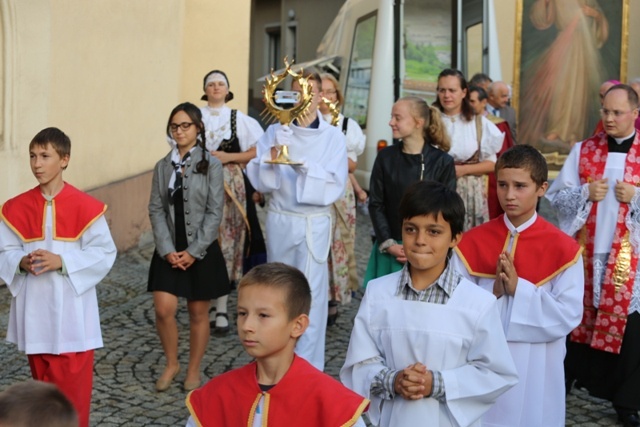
(203, 200)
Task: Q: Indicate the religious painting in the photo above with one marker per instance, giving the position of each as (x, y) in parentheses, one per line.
(565, 49)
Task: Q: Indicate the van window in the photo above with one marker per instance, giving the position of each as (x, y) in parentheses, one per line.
(427, 43)
(356, 97)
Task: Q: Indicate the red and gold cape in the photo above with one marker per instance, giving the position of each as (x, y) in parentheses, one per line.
(73, 212)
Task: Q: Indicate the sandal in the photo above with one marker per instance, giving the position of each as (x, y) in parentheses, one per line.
(333, 313)
(221, 330)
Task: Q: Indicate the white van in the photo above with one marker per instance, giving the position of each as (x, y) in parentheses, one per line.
(372, 42)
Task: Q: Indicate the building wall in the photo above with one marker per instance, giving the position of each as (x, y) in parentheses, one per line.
(311, 19)
(108, 73)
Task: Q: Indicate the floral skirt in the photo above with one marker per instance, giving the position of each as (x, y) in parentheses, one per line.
(233, 228)
(343, 274)
(473, 191)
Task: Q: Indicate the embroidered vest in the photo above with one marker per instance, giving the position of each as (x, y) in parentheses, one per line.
(231, 145)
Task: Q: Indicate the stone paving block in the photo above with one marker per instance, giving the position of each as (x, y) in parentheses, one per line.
(132, 359)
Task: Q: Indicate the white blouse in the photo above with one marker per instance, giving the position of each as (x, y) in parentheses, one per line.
(464, 140)
(217, 124)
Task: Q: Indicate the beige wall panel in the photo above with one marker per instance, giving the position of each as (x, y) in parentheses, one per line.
(114, 78)
(108, 73)
(216, 37)
(505, 25)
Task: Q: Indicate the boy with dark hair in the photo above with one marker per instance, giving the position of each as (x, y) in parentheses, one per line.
(55, 247)
(539, 295)
(36, 403)
(426, 343)
(273, 312)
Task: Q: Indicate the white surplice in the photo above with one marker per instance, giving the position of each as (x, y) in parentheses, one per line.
(55, 313)
(298, 224)
(536, 321)
(458, 339)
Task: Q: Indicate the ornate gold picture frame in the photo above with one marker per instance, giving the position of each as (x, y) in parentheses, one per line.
(564, 51)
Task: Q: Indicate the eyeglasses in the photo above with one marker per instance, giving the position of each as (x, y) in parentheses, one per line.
(615, 113)
(184, 126)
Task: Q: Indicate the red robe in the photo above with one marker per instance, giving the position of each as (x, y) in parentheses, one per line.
(25, 214)
(303, 397)
(540, 252)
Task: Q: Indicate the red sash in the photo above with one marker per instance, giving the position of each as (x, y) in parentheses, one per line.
(303, 397)
(604, 328)
(73, 212)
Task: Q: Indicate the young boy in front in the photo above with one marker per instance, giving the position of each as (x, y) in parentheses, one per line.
(55, 247)
(279, 388)
(535, 272)
(427, 347)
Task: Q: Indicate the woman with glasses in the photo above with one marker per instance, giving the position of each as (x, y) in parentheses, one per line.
(231, 137)
(185, 209)
(475, 143)
(343, 275)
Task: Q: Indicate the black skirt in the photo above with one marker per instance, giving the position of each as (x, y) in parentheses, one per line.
(206, 278)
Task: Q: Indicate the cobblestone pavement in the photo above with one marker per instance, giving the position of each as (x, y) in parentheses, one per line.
(126, 368)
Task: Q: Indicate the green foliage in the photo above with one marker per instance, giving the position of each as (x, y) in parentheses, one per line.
(421, 61)
(365, 36)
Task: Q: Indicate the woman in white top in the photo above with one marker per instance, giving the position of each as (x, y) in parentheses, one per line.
(475, 142)
(230, 137)
(343, 276)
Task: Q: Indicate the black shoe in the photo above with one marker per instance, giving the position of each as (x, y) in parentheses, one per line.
(568, 385)
(333, 313)
(220, 330)
(629, 419)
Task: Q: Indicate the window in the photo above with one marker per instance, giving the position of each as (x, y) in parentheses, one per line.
(274, 56)
(359, 78)
(426, 46)
(474, 49)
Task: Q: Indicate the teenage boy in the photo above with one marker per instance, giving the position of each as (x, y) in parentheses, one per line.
(426, 345)
(279, 388)
(539, 292)
(298, 226)
(55, 247)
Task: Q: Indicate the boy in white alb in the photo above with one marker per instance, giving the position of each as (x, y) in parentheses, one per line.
(539, 292)
(427, 347)
(55, 247)
(298, 225)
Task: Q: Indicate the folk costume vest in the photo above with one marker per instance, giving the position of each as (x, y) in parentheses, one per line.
(73, 212)
(480, 247)
(231, 145)
(303, 397)
(604, 328)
